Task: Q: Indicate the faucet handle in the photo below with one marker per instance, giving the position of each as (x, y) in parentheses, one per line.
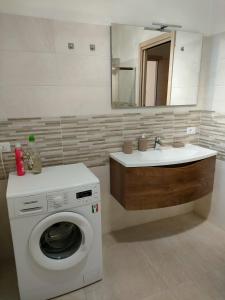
(157, 143)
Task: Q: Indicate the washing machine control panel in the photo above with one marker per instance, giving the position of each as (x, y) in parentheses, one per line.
(65, 199)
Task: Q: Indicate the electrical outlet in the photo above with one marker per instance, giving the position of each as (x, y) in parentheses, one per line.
(191, 130)
(5, 147)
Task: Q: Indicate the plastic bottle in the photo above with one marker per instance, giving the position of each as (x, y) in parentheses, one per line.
(19, 160)
(34, 163)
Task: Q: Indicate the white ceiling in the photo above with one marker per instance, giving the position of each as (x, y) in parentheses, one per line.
(206, 16)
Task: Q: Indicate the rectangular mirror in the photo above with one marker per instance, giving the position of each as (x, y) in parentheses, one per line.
(154, 68)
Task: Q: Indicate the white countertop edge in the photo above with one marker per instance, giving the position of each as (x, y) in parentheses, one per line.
(162, 163)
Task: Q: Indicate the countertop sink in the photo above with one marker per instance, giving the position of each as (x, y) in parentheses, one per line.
(163, 156)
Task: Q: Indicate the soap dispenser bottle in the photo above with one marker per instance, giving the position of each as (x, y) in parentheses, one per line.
(19, 160)
(143, 143)
(34, 159)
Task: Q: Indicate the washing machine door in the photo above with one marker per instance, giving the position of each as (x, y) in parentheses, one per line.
(61, 241)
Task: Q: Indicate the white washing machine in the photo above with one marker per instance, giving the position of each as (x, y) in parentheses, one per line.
(56, 230)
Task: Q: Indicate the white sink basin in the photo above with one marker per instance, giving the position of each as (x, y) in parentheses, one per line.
(164, 156)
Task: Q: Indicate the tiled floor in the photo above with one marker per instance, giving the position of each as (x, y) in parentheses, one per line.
(180, 258)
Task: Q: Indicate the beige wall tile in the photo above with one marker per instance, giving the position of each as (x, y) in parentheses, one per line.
(36, 54)
(82, 35)
(50, 101)
(83, 70)
(213, 206)
(27, 68)
(18, 33)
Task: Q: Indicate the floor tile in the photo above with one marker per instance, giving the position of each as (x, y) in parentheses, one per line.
(189, 291)
(180, 258)
(129, 272)
(162, 296)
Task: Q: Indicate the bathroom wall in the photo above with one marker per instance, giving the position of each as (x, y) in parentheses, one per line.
(52, 91)
(212, 80)
(212, 207)
(212, 126)
(40, 76)
(63, 97)
(90, 138)
(193, 15)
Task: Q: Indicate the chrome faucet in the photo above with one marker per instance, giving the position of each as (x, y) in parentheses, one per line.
(157, 143)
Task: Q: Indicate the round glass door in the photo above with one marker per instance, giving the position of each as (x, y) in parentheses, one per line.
(61, 240)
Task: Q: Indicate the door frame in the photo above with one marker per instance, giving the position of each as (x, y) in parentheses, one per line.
(143, 47)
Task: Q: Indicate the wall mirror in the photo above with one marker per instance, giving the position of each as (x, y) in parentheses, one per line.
(154, 68)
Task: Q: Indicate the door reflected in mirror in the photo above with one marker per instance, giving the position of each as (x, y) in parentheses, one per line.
(153, 68)
(156, 57)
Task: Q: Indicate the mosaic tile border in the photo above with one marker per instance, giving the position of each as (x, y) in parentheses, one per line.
(91, 138)
(212, 132)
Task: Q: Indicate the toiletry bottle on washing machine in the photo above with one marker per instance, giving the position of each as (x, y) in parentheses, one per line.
(19, 160)
(34, 160)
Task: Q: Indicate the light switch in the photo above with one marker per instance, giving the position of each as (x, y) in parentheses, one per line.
(5, 147)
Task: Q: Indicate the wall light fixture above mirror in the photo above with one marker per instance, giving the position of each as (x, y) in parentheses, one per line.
(154, 68)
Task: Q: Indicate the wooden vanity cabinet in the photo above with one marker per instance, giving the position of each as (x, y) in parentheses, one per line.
(138, 188)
